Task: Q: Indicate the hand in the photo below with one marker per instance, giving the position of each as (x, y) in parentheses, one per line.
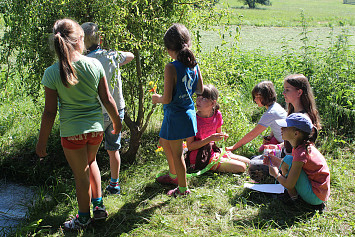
(266, 160)
(273, 171)
(117, 127)
(218, 136)
(41, 150)
(271, 160)
(230, 148)
(155, 98)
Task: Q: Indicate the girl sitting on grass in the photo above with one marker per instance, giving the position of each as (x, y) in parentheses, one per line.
(299, 99)
(264, 95)
(202, 148)
(306, 172)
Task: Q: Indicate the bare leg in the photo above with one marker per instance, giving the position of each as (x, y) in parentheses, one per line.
(95, 176)
(238, 157)
(78, 161)
(179, 162)
(168, 153)
(284, 170)
(231, 166)
(115, 162)
(292, 192)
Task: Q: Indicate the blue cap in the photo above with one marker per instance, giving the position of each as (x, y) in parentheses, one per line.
(297, 120)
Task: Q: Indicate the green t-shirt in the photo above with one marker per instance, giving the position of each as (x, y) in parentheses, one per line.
(79, 108)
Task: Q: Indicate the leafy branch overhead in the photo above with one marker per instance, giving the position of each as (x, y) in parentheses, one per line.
(136, 26)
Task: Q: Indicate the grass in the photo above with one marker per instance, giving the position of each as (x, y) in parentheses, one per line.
(272, 40)
(286, 13)
(267, 29)
(219, 205)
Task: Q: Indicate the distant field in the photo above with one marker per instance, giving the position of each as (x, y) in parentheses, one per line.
(287, 13)
(271, 39)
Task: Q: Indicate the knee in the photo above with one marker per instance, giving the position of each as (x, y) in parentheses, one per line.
(243, 167)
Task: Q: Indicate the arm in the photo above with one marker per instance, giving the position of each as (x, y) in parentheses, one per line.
(199, 88)
(292, 177)
(275, 161)
(110, 105)
(48, 117)
(170, 78)
(194, 145)
(248, 137)
(129, 58)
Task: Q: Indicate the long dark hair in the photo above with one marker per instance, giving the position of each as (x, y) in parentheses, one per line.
(67, 33)
(299, 81)
(177, 38)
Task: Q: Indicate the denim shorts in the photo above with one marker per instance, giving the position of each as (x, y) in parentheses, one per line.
(112, 141)
(303, 185)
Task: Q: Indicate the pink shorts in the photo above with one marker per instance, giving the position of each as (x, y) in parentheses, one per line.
(79, 141)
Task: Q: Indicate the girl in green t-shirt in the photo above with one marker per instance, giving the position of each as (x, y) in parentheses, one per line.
(76, 81)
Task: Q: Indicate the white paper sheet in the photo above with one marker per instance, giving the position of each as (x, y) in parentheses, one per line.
(266, 188)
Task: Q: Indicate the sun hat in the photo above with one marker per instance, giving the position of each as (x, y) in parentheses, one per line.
(297, 120)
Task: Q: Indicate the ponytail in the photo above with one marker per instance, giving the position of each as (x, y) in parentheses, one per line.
(67, 33)
(187, 58)
(309, 138)
(177, 38)
(67, 71)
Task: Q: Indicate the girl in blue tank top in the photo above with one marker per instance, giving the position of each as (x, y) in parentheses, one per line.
(181, 79)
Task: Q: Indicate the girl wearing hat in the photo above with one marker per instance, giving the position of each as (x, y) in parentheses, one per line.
(305, 173)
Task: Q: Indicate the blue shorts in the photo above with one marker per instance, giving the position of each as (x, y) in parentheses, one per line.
(112, 141)
(303, 185)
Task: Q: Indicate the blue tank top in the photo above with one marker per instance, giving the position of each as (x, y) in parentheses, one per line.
(179, 115)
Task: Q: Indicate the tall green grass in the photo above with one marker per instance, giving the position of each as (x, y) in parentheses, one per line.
(285, 13)
(219, 205)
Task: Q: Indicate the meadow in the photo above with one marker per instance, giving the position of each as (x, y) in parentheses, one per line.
(219, 204)
(286, 13)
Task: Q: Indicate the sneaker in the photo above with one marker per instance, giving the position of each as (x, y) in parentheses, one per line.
(166, 179)
(176, 193)
(287, 200)
(74, 224)
(321, 207)
(113, 190)
(100, 213)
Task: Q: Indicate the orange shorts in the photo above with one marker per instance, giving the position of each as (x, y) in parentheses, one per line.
(79, 141)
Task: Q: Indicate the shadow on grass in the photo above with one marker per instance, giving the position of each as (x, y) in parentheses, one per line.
(273, 213)
(133, 214)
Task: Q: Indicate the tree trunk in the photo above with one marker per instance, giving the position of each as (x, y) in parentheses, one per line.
(135, 140)
(251, 4)
(138, 126)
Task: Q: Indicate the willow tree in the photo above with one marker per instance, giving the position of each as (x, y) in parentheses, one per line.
(136, 26)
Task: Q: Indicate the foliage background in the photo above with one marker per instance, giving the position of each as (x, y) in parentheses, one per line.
(219, 204)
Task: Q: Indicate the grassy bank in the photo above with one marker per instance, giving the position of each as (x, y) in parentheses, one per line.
(273, 40)
(219, 204)
(286, 13)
